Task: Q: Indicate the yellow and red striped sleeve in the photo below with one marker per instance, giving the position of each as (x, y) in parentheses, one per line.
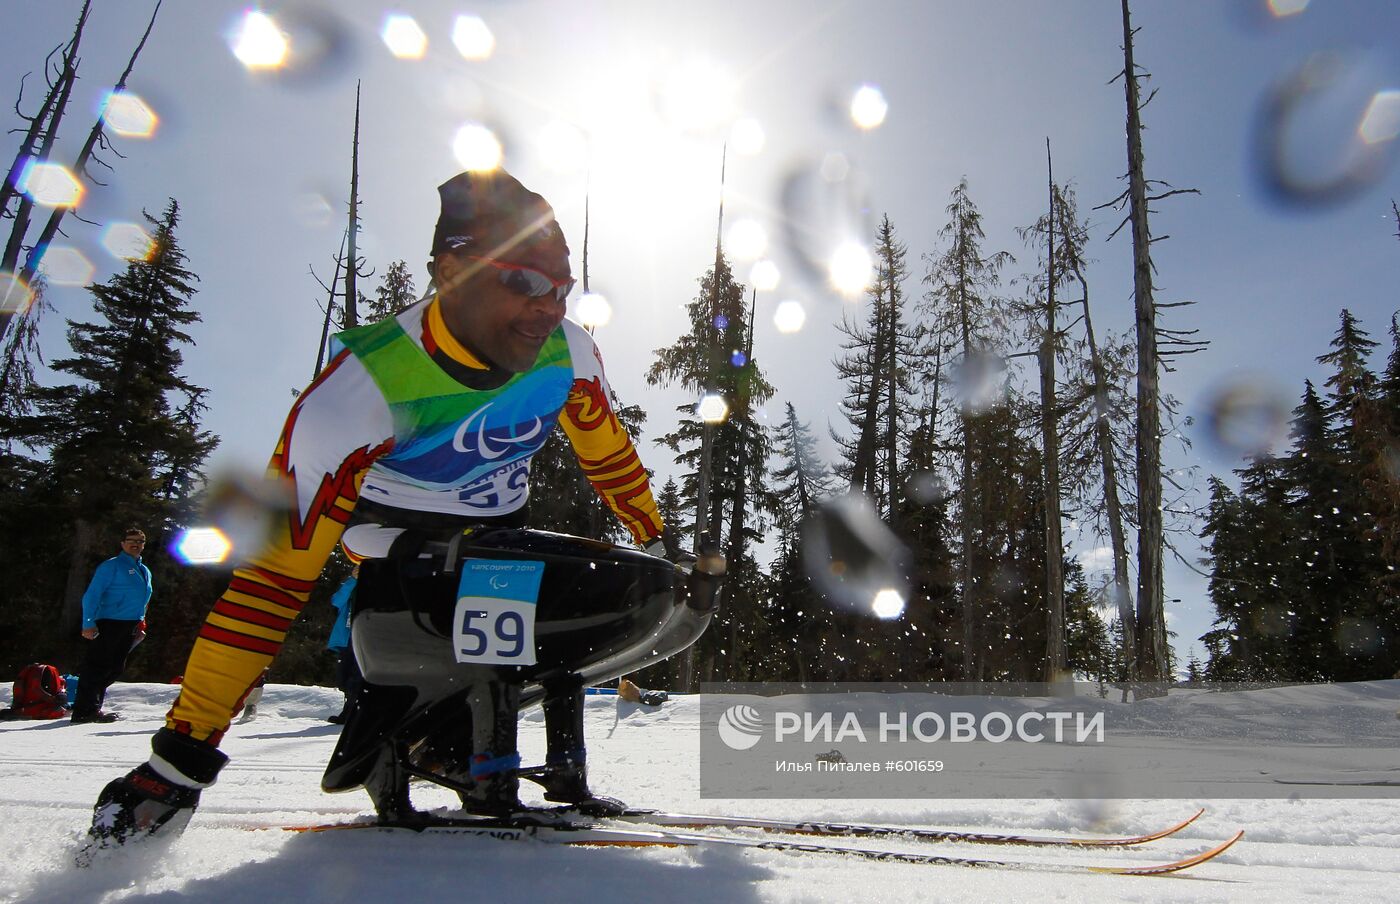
(249, 623)
(608, 458)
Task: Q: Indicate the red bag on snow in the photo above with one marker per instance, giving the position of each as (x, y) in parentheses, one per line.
(40, 693)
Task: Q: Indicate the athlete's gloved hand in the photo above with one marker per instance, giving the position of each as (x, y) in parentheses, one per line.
(160, 795)
(664, 546)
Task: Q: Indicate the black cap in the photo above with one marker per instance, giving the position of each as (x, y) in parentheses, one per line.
(491, 214)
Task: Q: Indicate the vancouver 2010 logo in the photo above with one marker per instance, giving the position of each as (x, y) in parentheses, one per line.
(740, 727)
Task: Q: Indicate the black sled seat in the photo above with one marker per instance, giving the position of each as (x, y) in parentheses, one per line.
(603, 611)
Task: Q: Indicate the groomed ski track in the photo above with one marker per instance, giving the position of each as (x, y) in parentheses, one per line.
(1293, 851)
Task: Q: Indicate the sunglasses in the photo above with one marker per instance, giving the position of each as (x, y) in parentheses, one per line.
(527, 280)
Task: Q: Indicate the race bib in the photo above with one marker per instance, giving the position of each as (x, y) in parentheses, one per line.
(494, 623)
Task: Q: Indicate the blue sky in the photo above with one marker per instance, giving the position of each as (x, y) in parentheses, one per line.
(260, 163)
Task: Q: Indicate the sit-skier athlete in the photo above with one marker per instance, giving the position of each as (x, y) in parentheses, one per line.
(420, 425)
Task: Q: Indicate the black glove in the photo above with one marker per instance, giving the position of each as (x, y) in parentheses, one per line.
(664, 546)
(158, 796)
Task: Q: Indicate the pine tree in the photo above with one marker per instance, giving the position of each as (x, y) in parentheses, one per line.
(124, 443)
(962, 303)
(1356, 430)
(877, 368)
(716, 356)
(394, 293)
(800, 619)
(1327, 540)
(1088, 649)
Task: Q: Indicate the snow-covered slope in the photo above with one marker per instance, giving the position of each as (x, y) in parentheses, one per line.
(50, 772)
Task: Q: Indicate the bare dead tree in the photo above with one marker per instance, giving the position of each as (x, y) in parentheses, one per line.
(353, 262)
(10, 259)
(1151, 610)
(42, 134)
(1050, 440)
(97, 137)
(330, 304)
(1108, 462)
(32, 136)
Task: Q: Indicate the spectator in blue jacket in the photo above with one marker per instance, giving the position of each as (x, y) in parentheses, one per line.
(114, 620)
(347, 671)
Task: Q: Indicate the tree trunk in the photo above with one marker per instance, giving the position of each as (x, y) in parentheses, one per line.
(971, 660)
(1050, 438)
(352, 264)
(36, 253)
(78, 577)
(1103, 435)
(1151, 620)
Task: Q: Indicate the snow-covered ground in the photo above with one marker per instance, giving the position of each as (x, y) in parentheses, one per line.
(50, 772)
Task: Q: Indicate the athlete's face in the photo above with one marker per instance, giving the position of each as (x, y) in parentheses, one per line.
(503, 325)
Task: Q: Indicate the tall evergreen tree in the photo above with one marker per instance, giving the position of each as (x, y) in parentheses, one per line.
(800, 618)
(123, 441)
(715, 356)
(1355, 429)
(962, 303)
(1088, 649)
(877, 366)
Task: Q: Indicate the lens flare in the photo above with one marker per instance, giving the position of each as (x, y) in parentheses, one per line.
(128, 115)
(592, 309)
(15, 295)
(477, 148)
(854, 559)
(738, 358)
(473, 39)
(868, 107)
(789, 317)
(747, 137)
(202, 546)
(712, 408)
(50, 185)
(888, 604)
(259, 43)
(850, 269)
(765, 276)
(403, 36)
(128, 241)
(746, 240)
(835, 167)
(1284, 8)
(65, 266)
(1381, 122)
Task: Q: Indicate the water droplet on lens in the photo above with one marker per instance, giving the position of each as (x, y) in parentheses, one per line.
(979, 380)
(1247, 416)
(820, 213)
(927, 488)
(1327, 131)
(852, 557)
